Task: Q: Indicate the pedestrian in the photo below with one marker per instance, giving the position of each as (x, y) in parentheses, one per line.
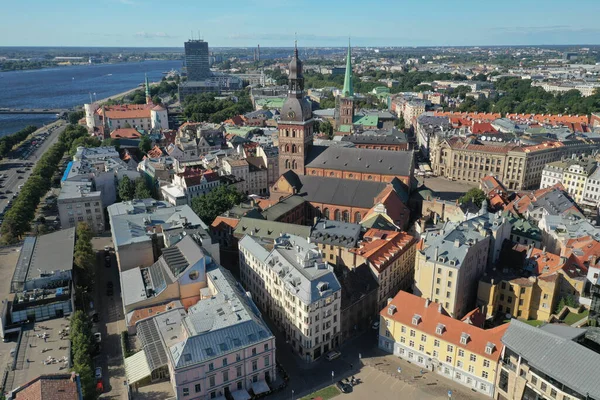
(45, 339)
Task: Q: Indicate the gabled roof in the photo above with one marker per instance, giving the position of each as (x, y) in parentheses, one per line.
(380, 246)
(560, 358)
(432, 314)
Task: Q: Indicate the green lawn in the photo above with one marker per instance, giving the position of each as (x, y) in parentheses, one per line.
(571, 317)
(326, 393)
(534, 322)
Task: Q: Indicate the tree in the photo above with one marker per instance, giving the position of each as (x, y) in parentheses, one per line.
(400, 123)
(111, 142)
(145, 144)
(141, 189)
(216, 202)
(75, 116)
(156, 100)
(126, 189)
(475, 195)
(327, 129)
(82, 347)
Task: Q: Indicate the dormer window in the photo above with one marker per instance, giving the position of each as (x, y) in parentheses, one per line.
(391, 309)
(439, 329)
(441, 259)
(416, 319)
(464, 338)
(489, 348)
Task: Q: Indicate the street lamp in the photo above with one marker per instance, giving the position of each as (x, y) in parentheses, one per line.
(332, 375)
(292, 394)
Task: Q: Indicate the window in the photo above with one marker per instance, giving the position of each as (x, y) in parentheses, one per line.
(411, 343)
(403, 329)
(459, 364)
(267, 361)
(436, 343)
(254, 365)
(238, 371)
(486, 363)
(484, 374)
(473, 358)
(533, 380)
(211, 366)
(544, 386)
(225, 376)
(224, 362)
(254, 351)
(449, 359)
(211, 381)
(421, 347)
(186, 392)
(461, 353)
(402, 339)
(412, 333)
(553, 393)
(471, 369)
(423, 338)
(450, 348)
(197, 388)
(435, 353)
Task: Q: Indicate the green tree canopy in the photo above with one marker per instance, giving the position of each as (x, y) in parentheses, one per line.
(75, 116)
(216, 202)
(141, 189)
(145, 144)
(126, 189)
(475, 195)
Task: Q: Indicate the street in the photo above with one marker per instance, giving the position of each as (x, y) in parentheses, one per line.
(110, 323)
(9, 166)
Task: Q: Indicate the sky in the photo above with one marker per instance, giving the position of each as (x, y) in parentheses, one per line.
(242, 23)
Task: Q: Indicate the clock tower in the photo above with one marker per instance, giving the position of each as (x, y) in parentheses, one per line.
(295, 122)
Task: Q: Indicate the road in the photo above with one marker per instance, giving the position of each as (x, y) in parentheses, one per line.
(110, 324)
(9, 166)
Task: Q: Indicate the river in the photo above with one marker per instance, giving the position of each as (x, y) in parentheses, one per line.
(69, 86)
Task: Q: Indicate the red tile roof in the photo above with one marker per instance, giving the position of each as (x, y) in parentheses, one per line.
(550, 118)
(482, 127)
(471, 116)
(125, 133)
(381, 246)
(129, 111)
(408, 305)
(155, 152)
(221, 222)
(143, 313)
(49, 387)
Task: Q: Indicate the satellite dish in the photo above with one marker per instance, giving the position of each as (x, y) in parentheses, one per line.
(499, 139)
(508, 316)
(483, 138)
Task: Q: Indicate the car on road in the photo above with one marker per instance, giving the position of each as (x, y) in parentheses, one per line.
(332, 355)
(344, 387)
(98, 373)
(20, 177)
(98, 337)
(107, 262)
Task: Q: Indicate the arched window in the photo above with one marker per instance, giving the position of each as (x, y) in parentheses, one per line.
(331, 173)
(294, 164)
(336, 215)
(313, 172)
(326, 213)
(356, 217)
(287, 133)
(293, 148)
(346, 216)
(293, 133)
(351, 176)
(370, 177)
(287, 164)
(287, 148)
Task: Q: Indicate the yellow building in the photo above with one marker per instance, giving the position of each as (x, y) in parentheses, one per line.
(523, 298)
(423, 333)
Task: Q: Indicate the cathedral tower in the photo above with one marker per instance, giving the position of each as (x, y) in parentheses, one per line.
(296, 123)
(346, 98)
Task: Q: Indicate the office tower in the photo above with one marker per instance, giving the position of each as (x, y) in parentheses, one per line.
(196, 60)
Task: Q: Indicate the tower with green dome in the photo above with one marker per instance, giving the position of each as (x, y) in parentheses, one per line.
(148, 97)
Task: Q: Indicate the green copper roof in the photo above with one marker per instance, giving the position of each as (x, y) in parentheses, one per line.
(348, 90)
(365, 120)
(345, 128)
(272, 103)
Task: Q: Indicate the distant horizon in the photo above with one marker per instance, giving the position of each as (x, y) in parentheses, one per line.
(246, 23)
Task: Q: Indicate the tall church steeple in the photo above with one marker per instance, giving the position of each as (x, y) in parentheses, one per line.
(296, 123)
(345, 102)
(148, 97)
(348, 90)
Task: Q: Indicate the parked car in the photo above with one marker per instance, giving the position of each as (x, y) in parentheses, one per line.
(98, 373)
(332, 355)
(344, 387)
(107, 262)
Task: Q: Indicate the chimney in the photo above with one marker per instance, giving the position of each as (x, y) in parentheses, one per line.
(456, 243)
(427, 302)
(440, 308)
(389, 300)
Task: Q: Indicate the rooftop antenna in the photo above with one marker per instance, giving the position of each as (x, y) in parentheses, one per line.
(199, 37)
(192, 34)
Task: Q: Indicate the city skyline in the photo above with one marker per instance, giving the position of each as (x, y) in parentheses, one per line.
(242, 24)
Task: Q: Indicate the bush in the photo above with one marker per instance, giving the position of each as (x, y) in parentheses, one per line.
(82, 347)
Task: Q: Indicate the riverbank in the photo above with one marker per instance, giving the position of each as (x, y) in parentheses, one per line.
(121, 95)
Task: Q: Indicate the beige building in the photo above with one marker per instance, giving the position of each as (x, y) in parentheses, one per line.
(79, 202)
(299, 291)
(518, 167)
(450, 261)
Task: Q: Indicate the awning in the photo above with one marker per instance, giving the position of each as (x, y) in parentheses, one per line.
(240, 395)
(260, 387)
(136, 367)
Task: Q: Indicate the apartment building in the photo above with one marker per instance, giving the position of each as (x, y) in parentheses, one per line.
(219, 348)
(79, 202)
(518, 167)
(546, 363)
(390, 256)
(573, 174)
(251, 170)
(422, 332)
(190, 183)
(593, 278)
(450, 261)
(297, 289)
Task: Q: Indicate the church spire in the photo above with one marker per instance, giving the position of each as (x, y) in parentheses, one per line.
(348, 91)
(148, 97)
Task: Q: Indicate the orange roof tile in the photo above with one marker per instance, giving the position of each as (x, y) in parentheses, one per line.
(381, 246)
(49, 387)
(125, 133)
(143, 313)
(220, 222)
(407, 305)
(123, 111)
(546, 263)
(471, 116)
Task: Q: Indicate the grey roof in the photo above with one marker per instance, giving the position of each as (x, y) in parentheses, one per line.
(425, 119)
(327, 112)
(571, 227)
(52, 252)
(298, 264)
(133, 224)
(336, 233)
(560, 358)
(343, 192)
(225, 323)
(555, 202)
(398, 163)
(282, 207)
(564, 331)
(374, 139)
(78, 190)
(268, 229)
(22, 266)
(455, 238)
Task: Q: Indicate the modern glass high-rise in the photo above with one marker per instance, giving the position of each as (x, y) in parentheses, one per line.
(196, 60)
